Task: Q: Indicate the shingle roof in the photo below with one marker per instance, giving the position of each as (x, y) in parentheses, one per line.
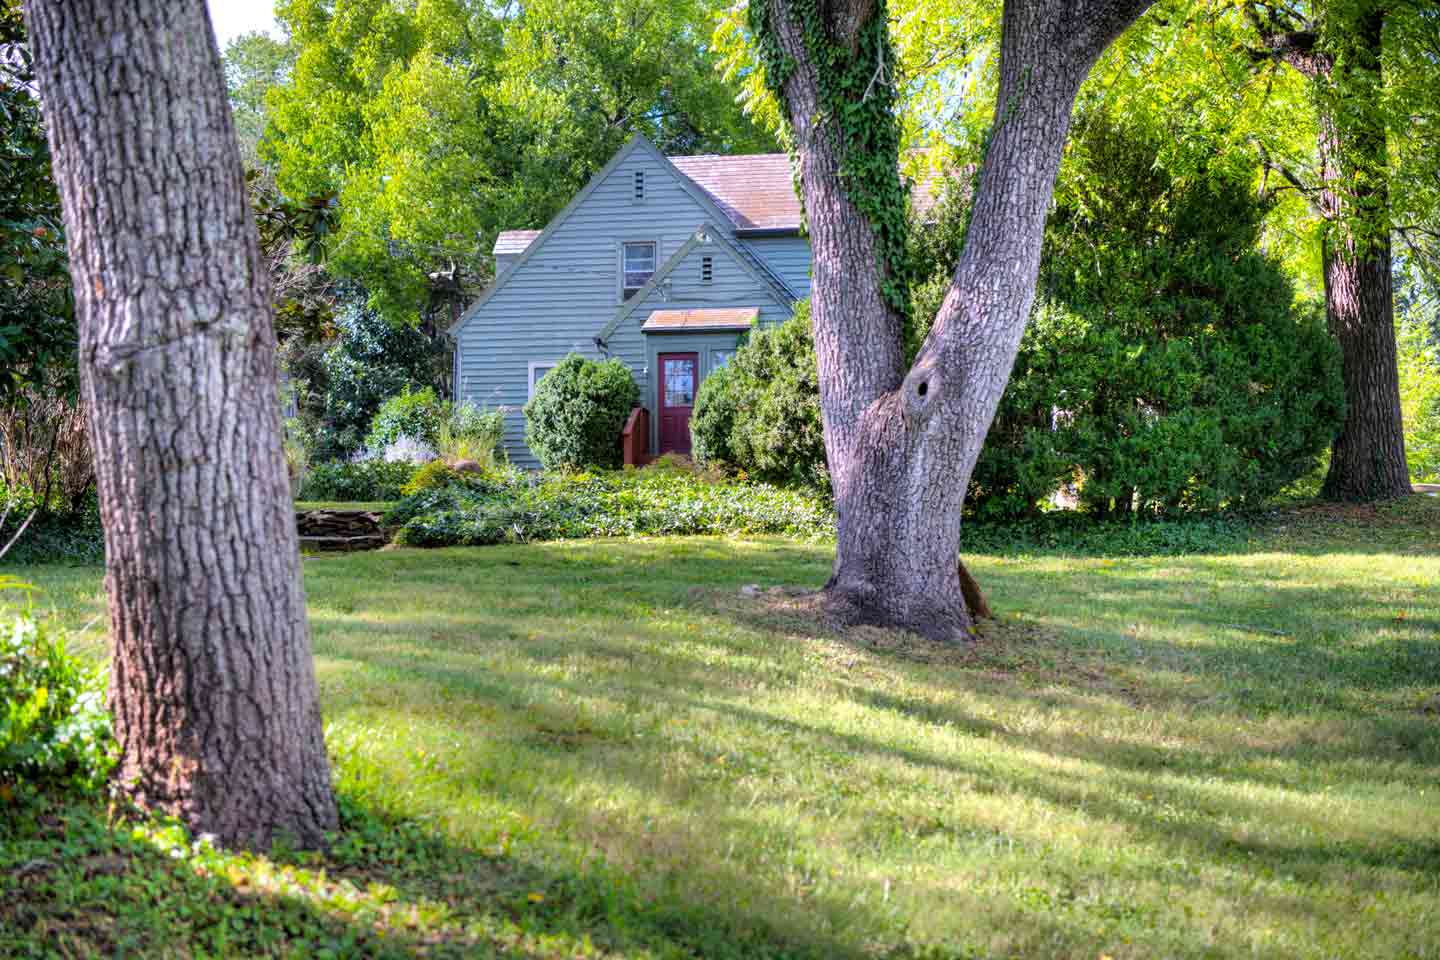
(514, 241)
(753, 190)
(757, 191)
(736, 318)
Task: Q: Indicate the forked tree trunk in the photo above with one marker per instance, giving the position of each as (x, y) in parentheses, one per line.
(212, 683)
(902, 445)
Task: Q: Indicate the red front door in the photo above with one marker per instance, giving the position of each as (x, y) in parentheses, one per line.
(679, 376)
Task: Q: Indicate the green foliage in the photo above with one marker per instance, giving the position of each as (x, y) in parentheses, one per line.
(342, 386)
(579, 408)
(72, 535)
(417, 414)
(1420, 397)
(37, 325)
(359, 481)
(53, 723)
(1166, 366)
(440, 124)
(511, 506)
(712, 420)
(764, 414)
(857, 111)
(435, 474)
(255, 63)
(472, 435)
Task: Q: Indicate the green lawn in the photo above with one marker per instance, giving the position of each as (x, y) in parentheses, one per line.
(600, 748)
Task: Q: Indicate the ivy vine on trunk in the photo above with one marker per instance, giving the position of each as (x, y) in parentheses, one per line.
(901, 443)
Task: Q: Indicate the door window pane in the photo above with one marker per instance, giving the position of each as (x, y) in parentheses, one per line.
(679, 382)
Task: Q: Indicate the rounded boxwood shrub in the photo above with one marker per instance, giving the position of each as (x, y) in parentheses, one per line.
(762, 414)
(579, 408)
(713, 419)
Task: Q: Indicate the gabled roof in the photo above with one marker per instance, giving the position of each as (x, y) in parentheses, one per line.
(753, 192)
(709, 234)
(514, 241)
(636, 142)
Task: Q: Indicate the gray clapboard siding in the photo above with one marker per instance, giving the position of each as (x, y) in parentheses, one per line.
(789, 257)
(557, 298)
(560, 293)
(682, 288)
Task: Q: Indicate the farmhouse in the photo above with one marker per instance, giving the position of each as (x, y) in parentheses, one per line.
(663, 262)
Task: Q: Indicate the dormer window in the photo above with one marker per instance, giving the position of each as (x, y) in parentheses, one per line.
(707, 269)
(637, 266)
(639, 185)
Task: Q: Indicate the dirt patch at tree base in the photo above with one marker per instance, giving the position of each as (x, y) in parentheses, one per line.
(804, 612)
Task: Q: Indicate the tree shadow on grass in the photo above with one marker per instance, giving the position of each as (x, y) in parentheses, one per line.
(73, 884)
(1210, 831)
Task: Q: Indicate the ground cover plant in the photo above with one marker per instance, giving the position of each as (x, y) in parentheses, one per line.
(601, 748)
(514, 506)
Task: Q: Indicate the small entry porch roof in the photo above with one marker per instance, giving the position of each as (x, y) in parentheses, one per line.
(701, 321)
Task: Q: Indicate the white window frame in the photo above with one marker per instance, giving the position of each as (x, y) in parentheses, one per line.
(530, 374)
(620, 265)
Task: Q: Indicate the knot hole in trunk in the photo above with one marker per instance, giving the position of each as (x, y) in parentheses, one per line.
(921, 391)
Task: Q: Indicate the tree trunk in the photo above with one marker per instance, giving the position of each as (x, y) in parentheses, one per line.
(1367, 460)
(212, 681)
(901, 446)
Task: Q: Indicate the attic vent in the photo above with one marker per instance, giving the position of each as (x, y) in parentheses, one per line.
(639, 184)
(707, 269)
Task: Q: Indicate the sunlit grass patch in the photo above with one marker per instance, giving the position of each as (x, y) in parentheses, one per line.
(603, 746)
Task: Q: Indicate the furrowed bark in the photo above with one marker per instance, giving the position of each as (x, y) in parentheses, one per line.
(1340, 54)
(212, 683)
(1367, 460)
(901, 446)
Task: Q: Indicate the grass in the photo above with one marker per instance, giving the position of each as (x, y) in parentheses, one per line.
(600, 748)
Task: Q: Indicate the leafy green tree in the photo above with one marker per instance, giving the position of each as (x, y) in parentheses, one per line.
(255, 64)
(441, 124)
(37, 318)
(341, 384)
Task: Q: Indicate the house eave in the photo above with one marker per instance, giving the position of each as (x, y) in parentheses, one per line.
(761, 233)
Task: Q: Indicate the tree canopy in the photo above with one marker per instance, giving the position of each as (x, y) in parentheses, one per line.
(439, 124)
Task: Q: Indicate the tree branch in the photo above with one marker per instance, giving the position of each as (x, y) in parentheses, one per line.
(1099, 22)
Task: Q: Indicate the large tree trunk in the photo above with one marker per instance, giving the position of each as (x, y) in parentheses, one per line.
(1339, 51)
(212, 683)
(1367, 461)
(902, 445)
